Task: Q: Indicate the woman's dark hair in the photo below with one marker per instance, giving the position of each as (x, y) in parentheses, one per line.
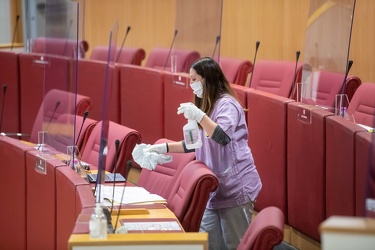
(215, 84)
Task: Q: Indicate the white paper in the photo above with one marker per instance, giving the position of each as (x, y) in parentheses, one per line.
(131, 195)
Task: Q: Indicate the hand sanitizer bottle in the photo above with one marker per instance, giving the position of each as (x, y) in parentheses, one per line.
(98, 224)
(192, 135)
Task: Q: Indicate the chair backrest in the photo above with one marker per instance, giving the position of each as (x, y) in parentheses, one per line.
(158, 57)
(161, 180)
(265, 231)
(362, 105)
(48, 111)
(133, 56)
(59, 46)
(273, 76)
(128, 139)
(235, 70)
(62, 131)
(189, 195)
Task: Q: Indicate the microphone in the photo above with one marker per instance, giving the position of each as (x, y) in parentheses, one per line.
(348, 67)
(295, 74)
(170, 49)
(255, 57)
(2, 107)
(217, 42)
(14, 32)
(85, 114)
(50, 119)
(123, 42)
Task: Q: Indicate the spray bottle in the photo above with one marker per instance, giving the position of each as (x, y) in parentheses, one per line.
(192, 135)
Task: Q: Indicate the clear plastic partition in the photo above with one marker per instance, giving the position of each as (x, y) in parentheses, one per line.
(108, 81)
(198, 29)
(326, 54)
(54, 30)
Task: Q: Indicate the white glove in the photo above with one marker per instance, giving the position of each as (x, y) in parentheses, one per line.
(190, 111)
(158, 148)
(149, 159)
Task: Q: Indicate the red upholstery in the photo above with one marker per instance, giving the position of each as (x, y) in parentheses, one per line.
(235, 70)
(161, 180)
(265, 231)
(364, 171)
(37, 77)
(13, 193)
(352, 84)
(68, 206)
(128, 139)
(340, 166)
(329, 84)
(59, 46)
(133, 56)
(10, 76)
(174, 95)
(275, 77)
(189, 194)
(65, 125)
(158, 57)
(41, 203)
(306, 169)
(67, 106)
(142, 96)
(362, 105)
(267, 125)
(92, 76)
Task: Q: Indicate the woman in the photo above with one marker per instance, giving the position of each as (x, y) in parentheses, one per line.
(224, 150)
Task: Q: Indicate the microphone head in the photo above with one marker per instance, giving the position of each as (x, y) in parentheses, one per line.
(218, 38)
(117, 143)
(57, 104)
(18, 17)
(175, 32)
(350, 63)
(86, 113)
(4, 88)
(298, 54)
(257, 45)
(128, 29)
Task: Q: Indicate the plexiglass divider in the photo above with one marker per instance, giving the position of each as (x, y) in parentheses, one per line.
(112, 47)
(325, 59)
(53, 32)
(189, 42)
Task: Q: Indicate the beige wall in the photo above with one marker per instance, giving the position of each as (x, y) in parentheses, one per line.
(280, 26)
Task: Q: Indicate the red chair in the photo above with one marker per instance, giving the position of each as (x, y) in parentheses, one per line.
(189, 194)
(128, 139)
(275, 77)
(158, 57)
(235, 70)
(133, 56)
(362, 105)
(161, 180)
(59, 47)
(69, 103)
(265, 231)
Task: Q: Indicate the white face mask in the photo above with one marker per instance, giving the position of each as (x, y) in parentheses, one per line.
(197, 88)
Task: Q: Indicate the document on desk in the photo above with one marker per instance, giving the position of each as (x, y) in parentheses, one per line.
(132, 195)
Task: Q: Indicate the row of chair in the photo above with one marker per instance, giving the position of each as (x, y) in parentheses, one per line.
(236, 70)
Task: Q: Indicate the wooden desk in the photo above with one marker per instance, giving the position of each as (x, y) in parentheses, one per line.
(163, 240)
